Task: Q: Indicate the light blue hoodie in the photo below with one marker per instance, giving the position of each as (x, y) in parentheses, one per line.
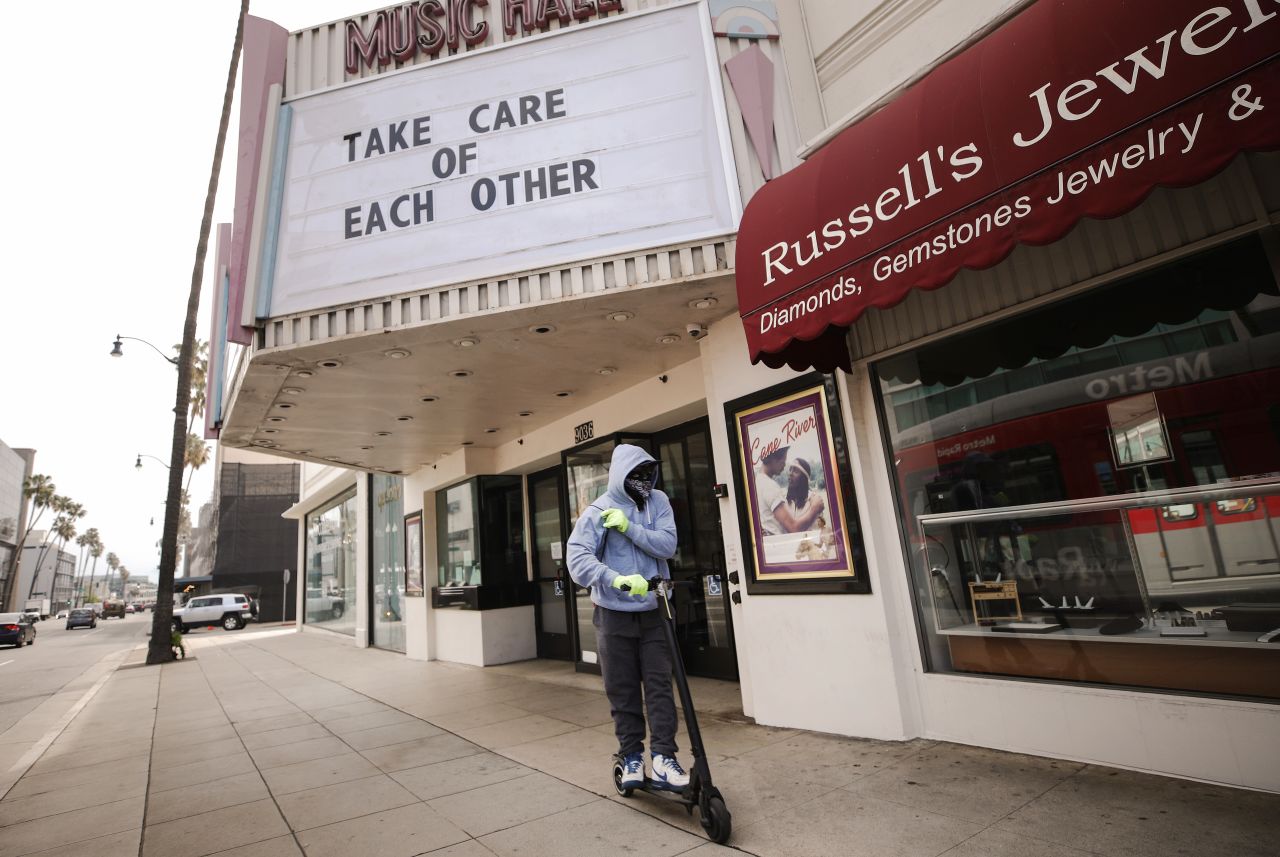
(650, 539)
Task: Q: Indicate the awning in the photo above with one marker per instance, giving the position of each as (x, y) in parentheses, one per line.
(1072, 109)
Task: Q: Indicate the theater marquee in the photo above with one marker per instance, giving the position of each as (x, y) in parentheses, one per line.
(600, 139)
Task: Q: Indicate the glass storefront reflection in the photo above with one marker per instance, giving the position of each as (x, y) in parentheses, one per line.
(331, 596)
(1101, 469)
(387, 566)
(459, 558)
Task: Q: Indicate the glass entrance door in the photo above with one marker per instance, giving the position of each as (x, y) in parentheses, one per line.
(703, 622)
(549, 573)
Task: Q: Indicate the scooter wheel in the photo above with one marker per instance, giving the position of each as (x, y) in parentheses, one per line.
(716, 820)
(625, 791)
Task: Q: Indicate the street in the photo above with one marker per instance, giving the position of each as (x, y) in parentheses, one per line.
(33, 674)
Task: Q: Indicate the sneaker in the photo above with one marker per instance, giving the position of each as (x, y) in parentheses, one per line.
(633, 770)
(667, 773)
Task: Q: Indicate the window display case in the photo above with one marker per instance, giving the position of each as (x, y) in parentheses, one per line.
(1189, 579)
(480, 536)
(1098, 476)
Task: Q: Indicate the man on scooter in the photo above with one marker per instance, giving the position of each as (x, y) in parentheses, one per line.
(623, 539)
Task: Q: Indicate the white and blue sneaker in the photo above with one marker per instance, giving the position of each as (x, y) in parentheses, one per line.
(632, 771)
(667, 773)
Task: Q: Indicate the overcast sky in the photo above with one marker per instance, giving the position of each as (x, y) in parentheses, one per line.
(108, 144)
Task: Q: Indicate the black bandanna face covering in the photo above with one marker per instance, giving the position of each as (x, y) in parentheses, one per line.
(639, 483)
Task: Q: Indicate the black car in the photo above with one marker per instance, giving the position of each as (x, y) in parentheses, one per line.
(16, 630)
(82, 617)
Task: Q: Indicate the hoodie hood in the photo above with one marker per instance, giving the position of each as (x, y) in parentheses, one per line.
(626, 458)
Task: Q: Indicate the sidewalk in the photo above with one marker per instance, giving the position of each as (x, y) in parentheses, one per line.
(271, 743)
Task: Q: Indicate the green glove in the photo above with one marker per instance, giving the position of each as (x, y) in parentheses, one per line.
(639, 586)
(615, 518)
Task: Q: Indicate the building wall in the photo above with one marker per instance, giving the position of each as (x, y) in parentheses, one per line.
(13, 469)
(832, 663)
(864, 51)
(851, 664)
(15, 466)
(255, 543)
(53, 579)
(863, 54)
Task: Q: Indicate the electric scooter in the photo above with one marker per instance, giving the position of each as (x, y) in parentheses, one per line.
(713, 815)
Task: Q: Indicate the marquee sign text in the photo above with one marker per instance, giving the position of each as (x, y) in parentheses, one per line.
(427, 27)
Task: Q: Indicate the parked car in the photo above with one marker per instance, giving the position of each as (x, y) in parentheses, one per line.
(16, 630)
(231, 611)
(319, 603)
(82, 617)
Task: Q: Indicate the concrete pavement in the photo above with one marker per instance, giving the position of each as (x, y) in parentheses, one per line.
(278, 743)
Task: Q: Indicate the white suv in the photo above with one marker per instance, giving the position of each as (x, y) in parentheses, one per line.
(229, 611)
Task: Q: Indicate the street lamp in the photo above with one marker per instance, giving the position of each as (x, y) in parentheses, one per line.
(117, 351)
(138, 464)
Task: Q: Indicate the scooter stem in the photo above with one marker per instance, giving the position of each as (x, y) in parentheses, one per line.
(663, 587)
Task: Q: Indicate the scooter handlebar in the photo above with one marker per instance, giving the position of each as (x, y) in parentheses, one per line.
(655, 582)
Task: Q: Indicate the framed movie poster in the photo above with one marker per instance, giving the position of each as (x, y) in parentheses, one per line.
(794, 488)
(413, 585)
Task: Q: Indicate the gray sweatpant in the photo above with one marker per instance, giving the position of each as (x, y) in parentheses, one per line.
(634, 654)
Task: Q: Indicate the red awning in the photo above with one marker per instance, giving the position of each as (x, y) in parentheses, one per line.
(1072, 109)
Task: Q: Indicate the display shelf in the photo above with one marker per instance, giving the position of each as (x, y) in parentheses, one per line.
(1215, 637)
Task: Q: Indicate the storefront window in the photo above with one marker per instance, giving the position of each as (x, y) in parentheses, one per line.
(331, 597)
(386, 570)
(480, 530)
(459, 558)
(1103, 470)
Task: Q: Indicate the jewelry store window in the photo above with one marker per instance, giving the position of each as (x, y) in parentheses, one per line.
(331, 565)
(480, 536)
(1090, 491)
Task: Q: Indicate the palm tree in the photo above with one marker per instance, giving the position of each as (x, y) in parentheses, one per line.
(82, 542)
(95, 551)
(66, 531)
(199, 380)
(67, 513)
(113, 562)
(86, 540)
(124, 579)
(39, 491)
(195, 456)
(159, 651)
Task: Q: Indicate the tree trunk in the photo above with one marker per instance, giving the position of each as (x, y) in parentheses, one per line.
(92, 570)
(11, 583)
(35, 577)
(159, 650)
(78, 577)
